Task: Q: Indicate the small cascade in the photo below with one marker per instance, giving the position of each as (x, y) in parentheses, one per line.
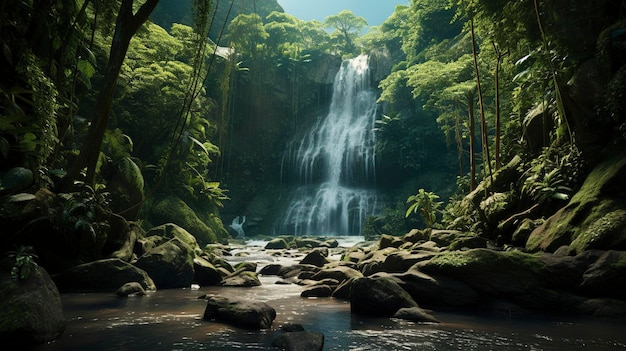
(333, 164)
(237, 226)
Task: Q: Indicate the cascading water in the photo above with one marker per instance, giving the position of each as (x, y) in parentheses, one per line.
(333, 164)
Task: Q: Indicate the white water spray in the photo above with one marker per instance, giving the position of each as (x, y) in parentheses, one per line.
(334, 163)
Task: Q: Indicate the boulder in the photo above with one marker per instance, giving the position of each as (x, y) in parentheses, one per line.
(401, 261)
(239, 313)
(205, 273)
(246, 266)
(171, 231)
(131, 289)
(437, 290)
(378, 297)
(300, 341)
(170, 265)
(340, 273)
(322, 290)
(242, 279)
(595, 217)
(487, 271)
(271, 269)
(415, 314)
(316, 258)
(102, 276)
(30, 309)
(276, 244)
(606, 278)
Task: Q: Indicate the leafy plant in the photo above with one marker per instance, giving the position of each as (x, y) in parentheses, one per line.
(24, 261)
(425, 203)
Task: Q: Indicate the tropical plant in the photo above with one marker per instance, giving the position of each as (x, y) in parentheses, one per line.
(425, 203)
(24, 260)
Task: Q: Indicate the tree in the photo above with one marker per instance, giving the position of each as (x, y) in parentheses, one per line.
(127, 24)
(347, 28)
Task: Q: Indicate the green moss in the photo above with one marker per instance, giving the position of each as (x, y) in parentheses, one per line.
(588, 206)
(175, 210)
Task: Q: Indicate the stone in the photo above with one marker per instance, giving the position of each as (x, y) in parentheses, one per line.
(594, 218)
(415, 314)
(30, 309)
(271, 269)
(606, 278)
(378, 297)
(300, 341)
(170, 265)
(316, 258)
(276, 244)
(102, 276)
(241, 279)
(205, 273)
(401, 261)
(131, 289)
(317, 291)
(239, 313)
(340, 274)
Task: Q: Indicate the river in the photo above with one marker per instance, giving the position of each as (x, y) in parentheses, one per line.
(172, 320)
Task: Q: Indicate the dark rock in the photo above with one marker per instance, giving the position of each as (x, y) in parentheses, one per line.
(30, 309)
(415, 314)
(387, 241)
(594, 218)
(416, 236)
(317, 291)
(131, 289)
(104, 275)
(340, 274)
(468, 242)
(246, 266)
(309, 243)
(300, 341)
(445, 237)
(343, 290)
(380, 297)
(271, 269)
(401, 261)
(437, 290)
(239, 313)
(241, 279)
(276, 244)
(606, 277)
(205, 273)
(170, 265)
(316, 258)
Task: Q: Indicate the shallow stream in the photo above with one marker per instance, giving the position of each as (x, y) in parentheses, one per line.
(172, 320)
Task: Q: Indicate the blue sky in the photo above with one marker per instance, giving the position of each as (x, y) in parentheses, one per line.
(374, 11)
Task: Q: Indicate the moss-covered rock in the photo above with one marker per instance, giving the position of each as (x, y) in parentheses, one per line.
(594, 217)
(174, 210)
(497, 273)
(102, 275)
(378, 297)
(171, 265)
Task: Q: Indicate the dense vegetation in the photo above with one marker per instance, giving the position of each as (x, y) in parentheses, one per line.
(107, 116)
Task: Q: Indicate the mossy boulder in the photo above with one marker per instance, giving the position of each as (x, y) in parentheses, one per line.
(496, 273)
(101, 276)
(171, 231)
(30, 310)
(174, 210)
(171, 265)
(595, 217)
(378, 297)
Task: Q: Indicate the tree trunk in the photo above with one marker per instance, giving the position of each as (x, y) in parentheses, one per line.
(483, 122)
(126, 26)
(472, 153)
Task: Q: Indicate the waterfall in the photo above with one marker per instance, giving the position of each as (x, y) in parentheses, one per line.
(333, 164)
(237, 226)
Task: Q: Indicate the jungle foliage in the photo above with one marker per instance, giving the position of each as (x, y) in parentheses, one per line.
(207, 99)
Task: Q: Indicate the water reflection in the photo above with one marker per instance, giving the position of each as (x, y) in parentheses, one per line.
(172, 320)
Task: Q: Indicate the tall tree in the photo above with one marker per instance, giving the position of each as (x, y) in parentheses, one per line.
(347, 27)
(126, 25)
